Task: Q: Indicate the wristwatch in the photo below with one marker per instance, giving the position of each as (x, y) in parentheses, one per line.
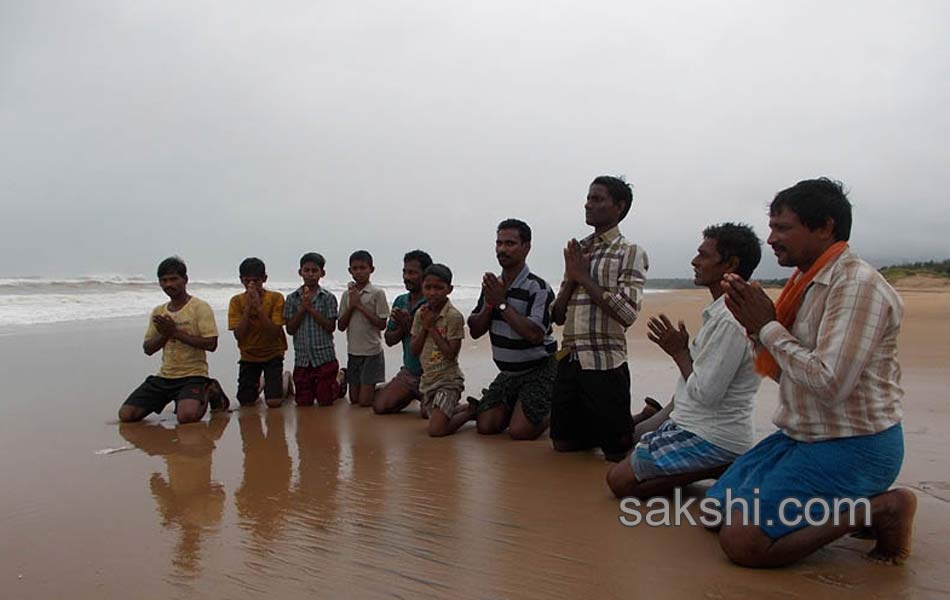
(503, 306)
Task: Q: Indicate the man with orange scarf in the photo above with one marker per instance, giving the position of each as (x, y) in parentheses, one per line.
(831, 343)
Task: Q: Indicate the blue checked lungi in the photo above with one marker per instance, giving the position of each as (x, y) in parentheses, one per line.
(671, 450)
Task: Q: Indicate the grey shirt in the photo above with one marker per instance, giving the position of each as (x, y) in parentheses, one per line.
(362, 337)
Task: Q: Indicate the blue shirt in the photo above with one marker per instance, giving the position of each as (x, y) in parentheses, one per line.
(409, 360)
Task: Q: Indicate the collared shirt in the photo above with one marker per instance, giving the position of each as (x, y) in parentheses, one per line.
(259, 345)
(178, 358)
(839, 371)
(716, 402)
(531, 297)
(362, 337)
(409, 360)
(596, 338)
(313, 345)
(435, 366)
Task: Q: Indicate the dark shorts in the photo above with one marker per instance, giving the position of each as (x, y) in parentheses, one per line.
(533, 388)
(156, 392)
(249, 380)
(316, 383)
(592, 408)
(365, 370)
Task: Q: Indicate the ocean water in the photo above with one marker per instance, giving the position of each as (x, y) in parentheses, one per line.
(32, 300)
(29, 301)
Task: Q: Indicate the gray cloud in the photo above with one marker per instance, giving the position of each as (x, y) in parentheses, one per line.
(135, 130)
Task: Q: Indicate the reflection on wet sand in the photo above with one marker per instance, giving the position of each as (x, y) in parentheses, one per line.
(187, 500)
(262, 498)
(339, 503)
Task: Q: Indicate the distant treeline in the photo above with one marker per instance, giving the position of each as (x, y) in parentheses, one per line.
(934, 268)
(687, 284)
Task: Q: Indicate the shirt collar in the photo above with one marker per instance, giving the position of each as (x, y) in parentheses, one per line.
(605, 237)
(714, 308)
(823, 276)
(320, 291)
(445, 308)
(521, 277)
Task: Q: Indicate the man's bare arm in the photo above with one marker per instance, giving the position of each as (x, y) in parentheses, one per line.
(523, 326)
(479, 323)
(559, 309)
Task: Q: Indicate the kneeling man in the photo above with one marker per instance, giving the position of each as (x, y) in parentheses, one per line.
(711, 423)
(516, 312)
(831, 343)
(183, 329)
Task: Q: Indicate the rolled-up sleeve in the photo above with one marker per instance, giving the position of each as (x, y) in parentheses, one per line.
(626, 300)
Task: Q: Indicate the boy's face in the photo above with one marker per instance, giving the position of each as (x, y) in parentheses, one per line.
(361, 270)
(254, 281)
(436, 291)
(173, 284)
(412, 275)
(311, 273)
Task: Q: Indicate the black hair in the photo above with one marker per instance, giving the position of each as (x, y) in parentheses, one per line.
(815, 201)
(313, 257)
(737, 240)
(524, 231)
(439, 270)
(619, 190)
(252, 267)
(363, 256)
(172, 266)
(420, 257)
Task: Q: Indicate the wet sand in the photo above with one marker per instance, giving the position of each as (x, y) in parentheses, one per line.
(339, 503)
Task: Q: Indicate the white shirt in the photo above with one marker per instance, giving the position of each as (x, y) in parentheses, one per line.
(716, 402)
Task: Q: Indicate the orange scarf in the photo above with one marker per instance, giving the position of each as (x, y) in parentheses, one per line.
(790, 300)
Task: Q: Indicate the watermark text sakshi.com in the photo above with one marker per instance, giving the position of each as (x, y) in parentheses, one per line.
(792, 512)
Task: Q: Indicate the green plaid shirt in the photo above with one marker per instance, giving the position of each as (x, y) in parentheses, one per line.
(313, 345)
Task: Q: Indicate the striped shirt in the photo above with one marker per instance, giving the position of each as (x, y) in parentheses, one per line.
(313, 345)
(595, 338)
(839, 371)
(531, 297)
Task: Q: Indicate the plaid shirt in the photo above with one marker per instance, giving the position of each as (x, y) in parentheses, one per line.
(313, 345)
(594, 337)
(839, 372)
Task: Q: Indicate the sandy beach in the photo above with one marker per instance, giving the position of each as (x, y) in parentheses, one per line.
(339, 503)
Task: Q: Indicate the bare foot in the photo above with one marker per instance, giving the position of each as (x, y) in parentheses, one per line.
(341, 381)
(893, 524)
(472, 407)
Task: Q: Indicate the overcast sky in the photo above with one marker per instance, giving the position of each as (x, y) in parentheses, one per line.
(131, 130)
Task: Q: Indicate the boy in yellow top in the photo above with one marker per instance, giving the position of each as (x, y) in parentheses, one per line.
(184, 329)
(437, 332)
(257, 319)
